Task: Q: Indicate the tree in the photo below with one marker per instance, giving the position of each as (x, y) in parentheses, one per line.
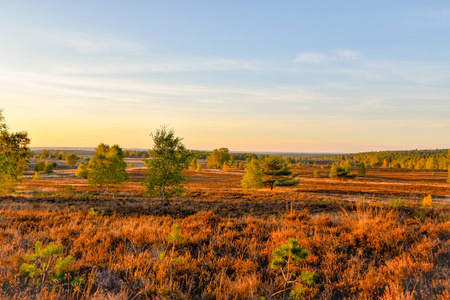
(199, 167)
(165, 176)
(82, 171)
(338, 171)
(277, 173)
(6, 179)
(362, 169)
(14, 149)
(39, 166)
(48, 167)
(107, 167)
(14, 155)
(71, 159)
(253, 178)
(218, 157)
(193, 165)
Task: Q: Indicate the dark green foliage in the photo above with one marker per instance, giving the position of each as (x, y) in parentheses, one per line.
(39, 166)
(48, 168)
(339, 172)
(362, 170)
(276, 172)
(287, 254)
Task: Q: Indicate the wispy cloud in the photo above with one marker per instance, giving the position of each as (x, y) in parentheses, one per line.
(345, 54)
(310, 57)
(319, 57)
(92, 43)
(149, 65)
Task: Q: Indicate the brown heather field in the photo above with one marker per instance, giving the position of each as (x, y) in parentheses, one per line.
(368, 238)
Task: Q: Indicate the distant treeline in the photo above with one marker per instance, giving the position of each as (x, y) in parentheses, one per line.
(412, 159)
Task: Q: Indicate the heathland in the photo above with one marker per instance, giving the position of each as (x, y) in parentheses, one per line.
(383, 235)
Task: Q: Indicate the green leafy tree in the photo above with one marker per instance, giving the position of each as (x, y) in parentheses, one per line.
(362, 169)
(6, 179)
(45, 154)
(193, 165)
(48, 168)
(165, 169)
(339, 172)
(253, 177)
(199, 167)
(82, 171)
(107, 167)
(39, 166)
(277, 173)
(14, 149)
(71, 159)
(218, 158)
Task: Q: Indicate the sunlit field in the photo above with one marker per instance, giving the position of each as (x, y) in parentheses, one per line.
(366, 238)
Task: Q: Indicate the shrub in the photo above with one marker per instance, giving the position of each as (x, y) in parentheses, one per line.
(48, 168)
(283, 260)
(37, 175)
(131, 165)
(316, 173)
(82, 171)
(427, 202)
(39, 167)
(45, 265)
(397, 203)
(71, 159)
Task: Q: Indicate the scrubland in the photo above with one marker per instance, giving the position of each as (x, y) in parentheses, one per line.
(367, 238)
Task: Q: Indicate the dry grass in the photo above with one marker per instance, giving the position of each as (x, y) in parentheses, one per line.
(360, 250)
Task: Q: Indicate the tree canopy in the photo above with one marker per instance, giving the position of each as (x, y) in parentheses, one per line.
(14, 148)
(107, 167)
(165, 176)
(218, 158)
(253, 177)
(276, 172)
(14, 155)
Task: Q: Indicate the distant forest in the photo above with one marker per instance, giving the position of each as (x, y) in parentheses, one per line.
(438, 159)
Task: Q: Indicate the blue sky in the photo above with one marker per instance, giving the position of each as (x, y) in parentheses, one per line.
(320, 76)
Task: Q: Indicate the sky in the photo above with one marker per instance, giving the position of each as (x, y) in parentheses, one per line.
(285, 76)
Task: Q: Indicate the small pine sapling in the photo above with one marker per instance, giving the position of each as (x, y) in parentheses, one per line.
(284, 259)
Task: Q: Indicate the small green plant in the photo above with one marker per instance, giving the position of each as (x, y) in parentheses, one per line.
(397, 203)
(427, 202)
(93, 212)
(316, 173)
(37, 175)
(44, 264)
(275, 198)
(172, 239)
(284, 259)
(131, 165)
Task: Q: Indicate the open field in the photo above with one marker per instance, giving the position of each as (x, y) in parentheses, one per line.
(368, 238)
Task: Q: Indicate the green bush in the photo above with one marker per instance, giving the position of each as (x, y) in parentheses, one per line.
(45, 265)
